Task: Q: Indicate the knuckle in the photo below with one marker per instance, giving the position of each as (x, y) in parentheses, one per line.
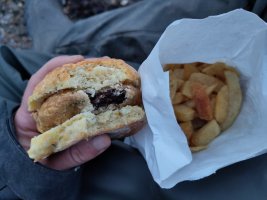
(76, 155)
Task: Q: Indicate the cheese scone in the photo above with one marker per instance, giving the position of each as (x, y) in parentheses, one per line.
(79, 101)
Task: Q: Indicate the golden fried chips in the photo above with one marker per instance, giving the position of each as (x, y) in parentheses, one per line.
(206, 99)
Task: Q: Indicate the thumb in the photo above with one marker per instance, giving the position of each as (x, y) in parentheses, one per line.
(79, 153)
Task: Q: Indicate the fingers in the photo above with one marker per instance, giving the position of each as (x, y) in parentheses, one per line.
(24, 139)
(25, 128)
(75, 155)
(40, 74)
(24, 122)
(79, 153)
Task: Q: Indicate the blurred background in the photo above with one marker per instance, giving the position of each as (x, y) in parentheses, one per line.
(13, 31)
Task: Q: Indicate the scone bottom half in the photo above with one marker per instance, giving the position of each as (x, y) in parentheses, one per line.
(92, 97)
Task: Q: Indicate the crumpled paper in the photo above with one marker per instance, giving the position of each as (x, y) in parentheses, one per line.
(237, 38)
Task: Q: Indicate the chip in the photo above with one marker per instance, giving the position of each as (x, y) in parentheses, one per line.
(188, 70)
(202, 102)
(216, 69)
(234, 100)
(186, 89)
(221, 105)
(206, 99)
(175, 81)
(187, 128)
(210, 89)
(198, 148)
(178, 98)
(206, 80)
(190, 103)
(168, 67)
(206, 134)
(184, 113)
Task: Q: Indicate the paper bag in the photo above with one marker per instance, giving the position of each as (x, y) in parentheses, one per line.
(237, 38)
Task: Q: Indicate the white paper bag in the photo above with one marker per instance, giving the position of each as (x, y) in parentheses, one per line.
(237, 38)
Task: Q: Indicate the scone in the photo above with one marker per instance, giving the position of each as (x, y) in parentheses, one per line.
(79, 101)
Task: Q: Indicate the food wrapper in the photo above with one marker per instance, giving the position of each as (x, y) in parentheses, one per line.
(237, 38)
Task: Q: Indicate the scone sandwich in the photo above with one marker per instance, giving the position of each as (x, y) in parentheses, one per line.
(79, 101)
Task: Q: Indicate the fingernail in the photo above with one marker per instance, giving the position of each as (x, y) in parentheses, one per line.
(101, 142)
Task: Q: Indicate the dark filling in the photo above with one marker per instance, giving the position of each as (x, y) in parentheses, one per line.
(107, 96)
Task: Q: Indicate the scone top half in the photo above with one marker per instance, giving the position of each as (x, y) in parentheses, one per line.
(89, 85)
(89, 75)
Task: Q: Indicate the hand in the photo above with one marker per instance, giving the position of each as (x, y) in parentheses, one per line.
(26, 127)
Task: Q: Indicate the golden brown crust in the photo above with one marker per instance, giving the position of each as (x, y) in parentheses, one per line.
(65, 104)
(59, 108)
(63, 78)
(118, 123)
(62, 106)
(133, 96)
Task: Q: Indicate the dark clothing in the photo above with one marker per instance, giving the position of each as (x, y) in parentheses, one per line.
(119, 173)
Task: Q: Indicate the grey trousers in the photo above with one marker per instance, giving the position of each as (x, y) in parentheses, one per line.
(128, 33)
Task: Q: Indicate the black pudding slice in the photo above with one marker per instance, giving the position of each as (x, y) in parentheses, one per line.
(107, 96)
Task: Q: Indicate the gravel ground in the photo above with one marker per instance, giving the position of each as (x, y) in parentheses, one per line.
(13, 30)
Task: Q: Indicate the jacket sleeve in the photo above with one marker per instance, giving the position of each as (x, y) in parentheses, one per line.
(18, 173)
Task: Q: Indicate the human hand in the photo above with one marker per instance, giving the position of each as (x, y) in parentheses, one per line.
(26, 126)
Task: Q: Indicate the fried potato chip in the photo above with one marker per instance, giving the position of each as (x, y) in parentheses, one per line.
(189, 69)
(178, 98)
(232, 69)
(212, 102)
(180, 83)
(186, 89)
(184, 113)
(210, 89)
(234, 100)
(202, 66)
(206, 80)
(173, 87)
(198, 148)
(177, 73)
(175, 79)
(206, 134)
(206, 99)
(216, 69)
(221, 105)
(187, 128)
(168, 67)
(202, 101)
(190, 103)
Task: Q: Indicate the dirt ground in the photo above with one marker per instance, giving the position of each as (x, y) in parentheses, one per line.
(13, 30)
